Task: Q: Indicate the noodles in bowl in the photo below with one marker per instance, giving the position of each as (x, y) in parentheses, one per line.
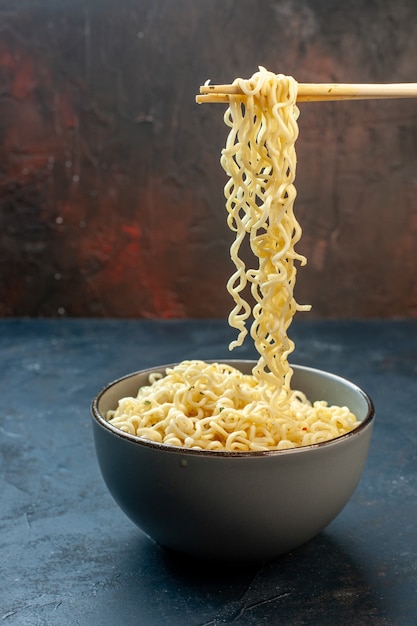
(234, 505)
(212, 406)
(241, 460)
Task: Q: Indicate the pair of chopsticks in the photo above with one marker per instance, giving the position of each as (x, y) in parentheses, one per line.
(316, 92)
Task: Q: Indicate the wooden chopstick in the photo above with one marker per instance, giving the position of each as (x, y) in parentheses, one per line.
(316, 92)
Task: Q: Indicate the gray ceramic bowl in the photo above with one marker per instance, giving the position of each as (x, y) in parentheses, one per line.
(239, 506)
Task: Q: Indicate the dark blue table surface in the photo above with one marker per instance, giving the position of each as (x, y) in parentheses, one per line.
(69, 556)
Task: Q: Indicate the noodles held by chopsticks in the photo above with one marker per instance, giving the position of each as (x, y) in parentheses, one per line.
(260, 161)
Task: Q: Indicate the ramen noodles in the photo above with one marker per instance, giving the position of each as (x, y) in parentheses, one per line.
(214, 406)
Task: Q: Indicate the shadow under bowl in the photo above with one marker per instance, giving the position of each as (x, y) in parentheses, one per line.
(233, 506)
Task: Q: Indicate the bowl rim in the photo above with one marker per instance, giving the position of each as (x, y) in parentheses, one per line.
(182, 450)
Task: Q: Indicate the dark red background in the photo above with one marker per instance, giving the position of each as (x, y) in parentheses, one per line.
(111, 192)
